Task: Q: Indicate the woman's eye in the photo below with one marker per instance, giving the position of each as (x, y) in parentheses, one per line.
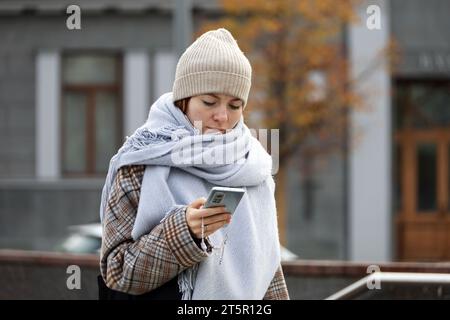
(213, 103)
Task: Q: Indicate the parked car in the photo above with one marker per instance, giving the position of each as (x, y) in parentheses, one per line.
(85, 238)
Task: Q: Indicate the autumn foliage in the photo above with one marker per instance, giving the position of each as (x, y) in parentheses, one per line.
(300, 72)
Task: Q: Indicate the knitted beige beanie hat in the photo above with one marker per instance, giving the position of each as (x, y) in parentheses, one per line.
(214, 63)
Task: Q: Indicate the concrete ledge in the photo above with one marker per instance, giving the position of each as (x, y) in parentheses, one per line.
(42, 275)
(291, 268)
(40, 258)
(356, 269)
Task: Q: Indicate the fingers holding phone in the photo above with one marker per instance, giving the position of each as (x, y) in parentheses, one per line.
(213, 218)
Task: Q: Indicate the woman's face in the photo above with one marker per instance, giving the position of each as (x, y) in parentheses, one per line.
(214, 112)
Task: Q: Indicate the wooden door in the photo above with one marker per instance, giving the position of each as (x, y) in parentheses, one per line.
(423, 212)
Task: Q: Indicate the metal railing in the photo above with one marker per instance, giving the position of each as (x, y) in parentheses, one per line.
(371, 280)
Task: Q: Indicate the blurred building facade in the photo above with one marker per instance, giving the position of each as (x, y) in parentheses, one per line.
(69, 97)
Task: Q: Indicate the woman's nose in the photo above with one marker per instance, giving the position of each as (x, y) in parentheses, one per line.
(221, 115)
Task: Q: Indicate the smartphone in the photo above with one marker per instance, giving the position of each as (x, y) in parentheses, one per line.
(223, 196)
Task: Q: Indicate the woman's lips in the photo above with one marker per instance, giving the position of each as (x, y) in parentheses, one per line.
(215, 129)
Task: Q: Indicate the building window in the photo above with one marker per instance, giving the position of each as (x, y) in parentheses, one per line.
(422, 104)
(91, 112)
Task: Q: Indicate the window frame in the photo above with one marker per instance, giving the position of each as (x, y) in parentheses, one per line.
(90, 90)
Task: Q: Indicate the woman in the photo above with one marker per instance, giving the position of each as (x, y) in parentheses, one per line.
(158, 241)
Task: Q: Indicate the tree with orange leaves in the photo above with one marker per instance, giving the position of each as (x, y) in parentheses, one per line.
(300, 80)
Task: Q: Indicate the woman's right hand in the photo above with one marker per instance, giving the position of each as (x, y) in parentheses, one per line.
(213, 218)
